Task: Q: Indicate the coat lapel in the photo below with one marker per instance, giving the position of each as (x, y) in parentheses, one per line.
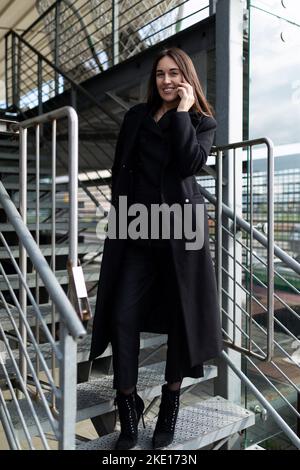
(135, 120)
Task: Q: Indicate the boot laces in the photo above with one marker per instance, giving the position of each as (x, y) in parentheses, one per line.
(168, 414)
(127, 414)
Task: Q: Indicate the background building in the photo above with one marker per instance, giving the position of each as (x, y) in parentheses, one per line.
(96, 56)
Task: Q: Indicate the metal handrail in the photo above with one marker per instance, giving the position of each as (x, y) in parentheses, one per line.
(65, 75)
(241, 224)
(74, 325)
(275, 415)
(259, 236)
(58, 406)
(69, 4)
(76, 88)
(59, 297)
(221, 209)
(109, 27)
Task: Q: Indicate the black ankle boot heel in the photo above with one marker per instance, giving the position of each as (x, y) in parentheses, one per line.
(130, 409)
(165, 425)
(140, 406)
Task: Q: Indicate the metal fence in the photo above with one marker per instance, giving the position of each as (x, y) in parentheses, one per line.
(38, 341)
(258, 289)
(84, 38)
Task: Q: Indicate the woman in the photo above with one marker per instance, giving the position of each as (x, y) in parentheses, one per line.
(159, 284)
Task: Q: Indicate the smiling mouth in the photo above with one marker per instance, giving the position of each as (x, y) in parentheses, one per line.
(167, 90)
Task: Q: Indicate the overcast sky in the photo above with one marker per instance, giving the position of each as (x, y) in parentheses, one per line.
(275, 71)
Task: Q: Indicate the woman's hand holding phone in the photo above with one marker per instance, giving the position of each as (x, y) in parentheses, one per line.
(186, 93)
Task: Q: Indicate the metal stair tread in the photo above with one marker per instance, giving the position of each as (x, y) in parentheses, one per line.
(30, 170)
(62, 249)
(97, 396)
(47, 226)
(45, 310)
(47, 204)
(32, 186)
(90, 274)
(5, 155)
(197, 426)
(83, 350)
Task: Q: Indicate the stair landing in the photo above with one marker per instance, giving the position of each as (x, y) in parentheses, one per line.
(197, 426)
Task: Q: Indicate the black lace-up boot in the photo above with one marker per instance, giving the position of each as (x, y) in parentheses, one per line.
(165, 426)
(130, 409)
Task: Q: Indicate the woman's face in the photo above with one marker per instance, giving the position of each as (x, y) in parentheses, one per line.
(168, 76)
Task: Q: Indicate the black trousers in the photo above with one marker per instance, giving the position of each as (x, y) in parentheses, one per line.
(147, 270)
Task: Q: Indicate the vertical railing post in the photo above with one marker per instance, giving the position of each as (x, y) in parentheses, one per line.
(270, 302)
(229, 111)
(218, 238)
(22, 251)
(15, 72)
(53, 242)
(8, 429)
(73, 185)
(57, 43)
(37, 234)
(115, 32)
(40, 84)
(6, 72)
(19, 61)
(68, 370)
(68, 382)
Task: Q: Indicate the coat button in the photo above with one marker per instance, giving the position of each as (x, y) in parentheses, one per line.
(186, 200)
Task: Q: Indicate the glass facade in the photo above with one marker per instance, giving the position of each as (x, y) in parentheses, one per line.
(274, 112)
(274, 67)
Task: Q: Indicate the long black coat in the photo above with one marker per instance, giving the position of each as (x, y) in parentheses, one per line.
(190, 140)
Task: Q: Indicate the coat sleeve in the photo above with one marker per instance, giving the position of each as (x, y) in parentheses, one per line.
(190, 146)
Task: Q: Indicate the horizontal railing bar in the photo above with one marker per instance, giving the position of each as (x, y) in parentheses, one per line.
(75, 85)
(8, 426)
(259, 327)
(56, 291)
(276, 389)
(266, 404)
(19, 411)
(265, 264)
(256, 234)
(33, 343)
(276, 296)
(259, 348)
(24, 390)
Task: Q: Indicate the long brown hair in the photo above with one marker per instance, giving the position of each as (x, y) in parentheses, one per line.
(186, 67)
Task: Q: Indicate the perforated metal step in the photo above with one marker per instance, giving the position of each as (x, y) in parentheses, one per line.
(60, 226)
(97, 397)
(61, 249)
(16, 170)
(197, 426)
(90, 274)
(45, 310)
(83, 350)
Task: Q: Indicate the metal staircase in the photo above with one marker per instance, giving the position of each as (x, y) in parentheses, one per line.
(94, 397)
(47, 85)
